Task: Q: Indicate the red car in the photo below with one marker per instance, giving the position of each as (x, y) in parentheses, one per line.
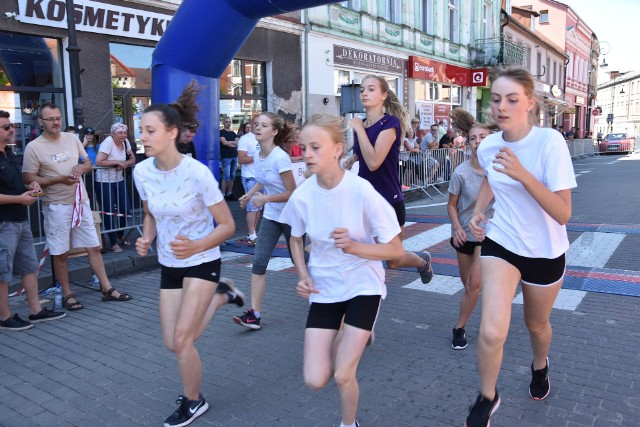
(616, 142)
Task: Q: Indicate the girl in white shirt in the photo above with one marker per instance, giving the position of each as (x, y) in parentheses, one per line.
(181, 203)
(528, 169)
(341, 212)
(274, 175)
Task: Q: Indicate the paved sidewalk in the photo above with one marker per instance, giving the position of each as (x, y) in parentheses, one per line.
(105, 365)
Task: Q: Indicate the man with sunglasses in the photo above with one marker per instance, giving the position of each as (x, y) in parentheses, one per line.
(57, 161)
(17, 251)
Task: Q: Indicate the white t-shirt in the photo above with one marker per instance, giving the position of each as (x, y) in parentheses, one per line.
(178, 200)
(248, 143)
(112, 151)
(268, 172)
(353, 204)
(519, 223)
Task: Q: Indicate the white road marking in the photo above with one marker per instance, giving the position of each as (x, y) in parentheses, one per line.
(428, 238)
(567, 299)
(593, 249)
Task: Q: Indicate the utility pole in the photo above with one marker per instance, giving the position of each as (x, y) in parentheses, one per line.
(74, 69)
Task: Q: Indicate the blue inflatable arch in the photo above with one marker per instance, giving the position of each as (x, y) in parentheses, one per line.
(201, 41)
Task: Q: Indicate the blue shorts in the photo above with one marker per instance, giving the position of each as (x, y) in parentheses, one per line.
(247, 184)
(229, 167)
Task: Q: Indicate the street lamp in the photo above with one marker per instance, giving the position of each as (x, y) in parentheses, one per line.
(604, 64)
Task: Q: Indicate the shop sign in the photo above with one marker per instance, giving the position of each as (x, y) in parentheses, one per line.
(95, 17)
(570, 110)
(366, 59)
(436, 71)
(556, 91)
(580, 100)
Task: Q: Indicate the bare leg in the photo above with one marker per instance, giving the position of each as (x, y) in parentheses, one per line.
(30, 284)
(409, 259)
(97, 265)
(252, 220)
(470, 275)
(538, 302)
(61, 269)
(499, 282)
(5, 312)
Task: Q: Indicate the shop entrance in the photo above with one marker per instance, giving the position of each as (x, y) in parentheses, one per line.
(128, 105)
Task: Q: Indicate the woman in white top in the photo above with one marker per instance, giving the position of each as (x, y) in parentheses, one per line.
(114, 157)
(186, 211)
(342, 213)
(247, 147)
(529, 172)
(410, 158)
(274, 175)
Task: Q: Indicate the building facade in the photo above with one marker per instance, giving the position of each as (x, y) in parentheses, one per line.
(619, 102)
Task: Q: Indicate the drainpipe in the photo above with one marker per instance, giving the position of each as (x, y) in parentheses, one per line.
(306, 105)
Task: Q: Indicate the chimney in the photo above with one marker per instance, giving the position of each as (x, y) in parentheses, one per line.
(613, 74)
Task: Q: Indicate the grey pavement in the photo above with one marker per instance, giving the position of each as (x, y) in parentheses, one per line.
(106, 366)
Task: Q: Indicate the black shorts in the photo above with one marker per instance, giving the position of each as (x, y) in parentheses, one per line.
(533, 271)
(360, 312)
(401, 212)
(172, 277)
(468, 248)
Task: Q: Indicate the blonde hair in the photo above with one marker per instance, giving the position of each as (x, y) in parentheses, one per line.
(392, 104)
(333, 125)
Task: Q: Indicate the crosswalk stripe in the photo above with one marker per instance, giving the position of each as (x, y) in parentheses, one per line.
(567, 299)
(428, 238)
(593, 249)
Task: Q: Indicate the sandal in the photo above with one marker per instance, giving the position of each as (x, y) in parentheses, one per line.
(108, 296)
(71, 306)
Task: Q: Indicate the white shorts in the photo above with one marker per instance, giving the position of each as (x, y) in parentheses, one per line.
(57, 226)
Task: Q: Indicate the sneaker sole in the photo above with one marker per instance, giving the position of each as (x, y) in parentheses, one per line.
(46, 319)
(18, 329)
(231, 285)
(199, 412)
(239, 321)
(493, 411)
(429, 273)
(459, 347)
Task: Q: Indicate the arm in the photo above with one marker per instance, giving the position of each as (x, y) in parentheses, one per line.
(478, 220)
(305, 282)
(30, 178)
(459, 236)
(183, 247)
(244, 199)
(373, 156)
(148, 231)
(101, 160)
(23, 199)
(232, 143)
(556, 204)
(244, 158)
(290, 185)
(376, 251)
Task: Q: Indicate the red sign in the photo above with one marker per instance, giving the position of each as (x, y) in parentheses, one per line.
(436, 71)
(595, 112)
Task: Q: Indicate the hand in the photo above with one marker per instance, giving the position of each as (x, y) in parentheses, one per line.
(35, 187)
(244, 199)
(77, 172)
(459, 236)
(477, 226)
(356, 124)
(26, 198)
(349, 162)
(259, 200)
(183, 247)
(342, 240)
(68, 180)
(509, 164)
(305, 288)
(142, 245)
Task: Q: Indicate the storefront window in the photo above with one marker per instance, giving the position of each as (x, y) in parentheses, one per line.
(434, 101)
(243, 91)
(345, 77)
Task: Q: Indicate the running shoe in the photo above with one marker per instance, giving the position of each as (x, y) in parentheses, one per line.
(226, 286)
(459, 341)
(45, 315)
(187, 412)
(248, 320)
(15, 324)
(426, 273)
(540, 385)
(480, 412)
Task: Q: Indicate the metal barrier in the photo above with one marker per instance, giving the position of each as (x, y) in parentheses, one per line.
(118, 204)
(581, 148)
(428, 169)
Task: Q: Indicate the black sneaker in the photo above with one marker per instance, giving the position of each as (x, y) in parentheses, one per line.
(45, 315)
(426, 273)
(226, 286)
(459, 341)
(188, 411)
(15, 323)
(248, 320)
(480, 412)
(540, 385)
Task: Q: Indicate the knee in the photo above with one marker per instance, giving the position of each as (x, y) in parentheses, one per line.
(315, 381)
(344, 377)
(393, 263)
(493, 336)
(472, 285)
(181, 342)
(537, 328)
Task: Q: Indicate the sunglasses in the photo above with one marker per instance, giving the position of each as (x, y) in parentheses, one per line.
(193, 127)
(7, 126)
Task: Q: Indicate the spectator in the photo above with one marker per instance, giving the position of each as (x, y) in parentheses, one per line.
(90, 144)
(294, 144)
(229, 158)
(65, 201)
(442, 129)
(447, 140)
(185, 144)
(430, 140)
(411, 159)
(17, 242)
(247, 147)
(114, 157)
(571, 135)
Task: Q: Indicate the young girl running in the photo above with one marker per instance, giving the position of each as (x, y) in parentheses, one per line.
(345, 279)
(463, 192)
(274, 174)
(528, 169)
(181, 201)
(377, 146)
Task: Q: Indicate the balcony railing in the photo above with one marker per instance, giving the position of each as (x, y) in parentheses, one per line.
(499, 51)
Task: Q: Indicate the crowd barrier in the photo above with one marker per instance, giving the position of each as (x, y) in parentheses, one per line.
(580, 148)
(427, 170)
(119, 210)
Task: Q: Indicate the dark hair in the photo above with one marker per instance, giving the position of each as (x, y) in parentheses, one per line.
(49, 105)
(392, 104)
(178, 114)
(244, 127)
(4, 114)
(70, 129)
(281, 139)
